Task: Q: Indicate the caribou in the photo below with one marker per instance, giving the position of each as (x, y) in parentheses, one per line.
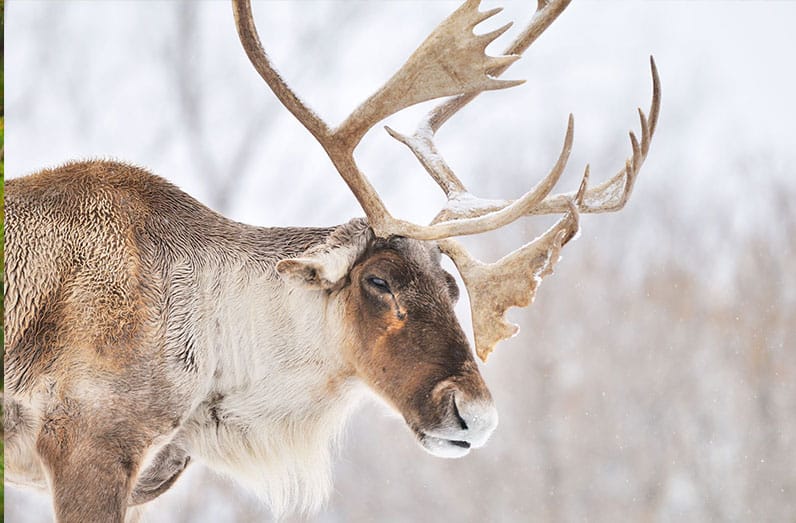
(144, 331)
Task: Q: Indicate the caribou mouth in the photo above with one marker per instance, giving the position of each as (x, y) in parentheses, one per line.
(442, 447)
(467, 425)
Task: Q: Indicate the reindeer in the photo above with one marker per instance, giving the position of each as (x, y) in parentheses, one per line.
(143, 330)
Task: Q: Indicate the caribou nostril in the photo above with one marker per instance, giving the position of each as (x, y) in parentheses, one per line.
(462, 423)
(462, 444)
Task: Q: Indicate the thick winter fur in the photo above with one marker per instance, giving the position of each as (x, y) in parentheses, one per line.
(144, 331)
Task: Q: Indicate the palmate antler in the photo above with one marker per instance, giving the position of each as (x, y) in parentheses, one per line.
(451, 62)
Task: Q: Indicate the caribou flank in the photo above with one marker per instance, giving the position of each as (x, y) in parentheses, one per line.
(144, 331)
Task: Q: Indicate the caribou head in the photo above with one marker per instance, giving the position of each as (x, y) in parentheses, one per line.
(407, 344)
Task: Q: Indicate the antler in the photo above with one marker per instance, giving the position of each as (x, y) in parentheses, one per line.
(609, 196)
(512, 281)
(451, 61)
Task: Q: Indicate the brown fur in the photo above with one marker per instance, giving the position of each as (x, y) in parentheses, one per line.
(410, 340)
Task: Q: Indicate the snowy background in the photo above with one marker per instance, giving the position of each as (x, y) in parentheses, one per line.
(655, 375)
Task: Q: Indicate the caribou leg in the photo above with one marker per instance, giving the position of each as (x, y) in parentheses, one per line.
(91, 459)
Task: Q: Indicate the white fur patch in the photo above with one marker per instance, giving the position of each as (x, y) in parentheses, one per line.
(286, 463)
(276, 395)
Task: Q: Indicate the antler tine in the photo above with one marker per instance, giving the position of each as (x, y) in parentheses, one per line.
(465, 214)
(449, 62)
(612, 194)
(465, 208)
(422, 145)
(546, 13)
(608, 196)
(510, 282)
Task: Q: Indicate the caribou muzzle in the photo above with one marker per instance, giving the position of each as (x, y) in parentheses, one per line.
(468, 423)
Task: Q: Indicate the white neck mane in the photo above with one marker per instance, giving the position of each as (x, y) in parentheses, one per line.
(276, 390)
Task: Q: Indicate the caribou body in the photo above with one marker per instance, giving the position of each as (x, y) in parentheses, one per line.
(144, 330)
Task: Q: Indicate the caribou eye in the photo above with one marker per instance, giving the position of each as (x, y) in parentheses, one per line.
(379, 284)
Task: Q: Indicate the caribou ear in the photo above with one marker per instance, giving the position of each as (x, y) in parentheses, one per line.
(318, 273)
(326, 266)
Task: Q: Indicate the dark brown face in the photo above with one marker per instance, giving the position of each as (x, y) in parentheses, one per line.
(411, 349)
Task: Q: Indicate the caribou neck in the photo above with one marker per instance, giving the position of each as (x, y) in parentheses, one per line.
(262, 335)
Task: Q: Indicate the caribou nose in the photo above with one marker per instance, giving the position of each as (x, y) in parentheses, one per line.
(477, 418)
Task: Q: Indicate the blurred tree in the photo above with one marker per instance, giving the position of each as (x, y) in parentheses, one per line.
(220, 169)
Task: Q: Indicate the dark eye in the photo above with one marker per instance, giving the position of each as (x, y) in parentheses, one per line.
(379, 284)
